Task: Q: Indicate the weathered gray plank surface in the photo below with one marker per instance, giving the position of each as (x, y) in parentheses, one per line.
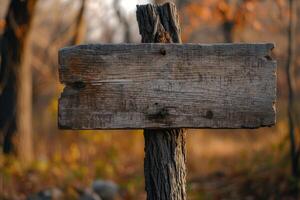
(167, 85)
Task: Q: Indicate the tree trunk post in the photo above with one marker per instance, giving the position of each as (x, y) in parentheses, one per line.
(165, 149)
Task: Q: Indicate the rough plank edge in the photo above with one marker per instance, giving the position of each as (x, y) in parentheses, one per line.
(66, 127)
(63, 52)
(61, 127)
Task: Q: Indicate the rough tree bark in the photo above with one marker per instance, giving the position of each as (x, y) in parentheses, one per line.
(15, 80)
(165, 150)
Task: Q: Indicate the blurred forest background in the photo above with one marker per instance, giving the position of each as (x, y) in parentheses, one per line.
(40, 160)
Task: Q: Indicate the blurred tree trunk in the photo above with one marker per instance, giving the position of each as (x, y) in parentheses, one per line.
(16, 83)
(228, 26)
(80, 26)
(228, 23)
(290, 73)
(230, 20)
(123, 21)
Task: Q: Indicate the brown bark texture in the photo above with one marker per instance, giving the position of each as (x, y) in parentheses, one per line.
(165, 149)
(15, 80)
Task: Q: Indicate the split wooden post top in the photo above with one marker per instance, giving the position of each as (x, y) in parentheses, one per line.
(138, 86)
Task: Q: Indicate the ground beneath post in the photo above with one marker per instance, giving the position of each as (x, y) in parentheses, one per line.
(222, 164)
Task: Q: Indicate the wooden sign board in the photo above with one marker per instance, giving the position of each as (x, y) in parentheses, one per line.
(138, 86)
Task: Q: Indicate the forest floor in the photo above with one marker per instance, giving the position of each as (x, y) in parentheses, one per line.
(222, 164)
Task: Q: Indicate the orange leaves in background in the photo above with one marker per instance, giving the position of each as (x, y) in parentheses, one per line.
(2, 25)
(210, 12)
(194, 13)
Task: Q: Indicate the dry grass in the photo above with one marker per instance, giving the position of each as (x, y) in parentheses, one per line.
(230, 164)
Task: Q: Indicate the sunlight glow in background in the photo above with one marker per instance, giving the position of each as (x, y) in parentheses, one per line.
(130, 5)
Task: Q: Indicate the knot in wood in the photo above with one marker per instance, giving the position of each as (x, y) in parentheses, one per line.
(209, 114)
(78, 85)
(161, 114)
(163, 51)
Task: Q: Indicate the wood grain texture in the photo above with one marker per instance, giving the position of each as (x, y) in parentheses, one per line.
(130, 86)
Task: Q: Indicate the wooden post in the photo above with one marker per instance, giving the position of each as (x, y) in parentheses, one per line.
(165, 149)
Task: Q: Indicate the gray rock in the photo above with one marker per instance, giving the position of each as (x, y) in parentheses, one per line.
(49, 194)
(88, 194)
(107, 190)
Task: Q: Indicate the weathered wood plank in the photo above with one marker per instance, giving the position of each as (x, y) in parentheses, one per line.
(167, 86)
